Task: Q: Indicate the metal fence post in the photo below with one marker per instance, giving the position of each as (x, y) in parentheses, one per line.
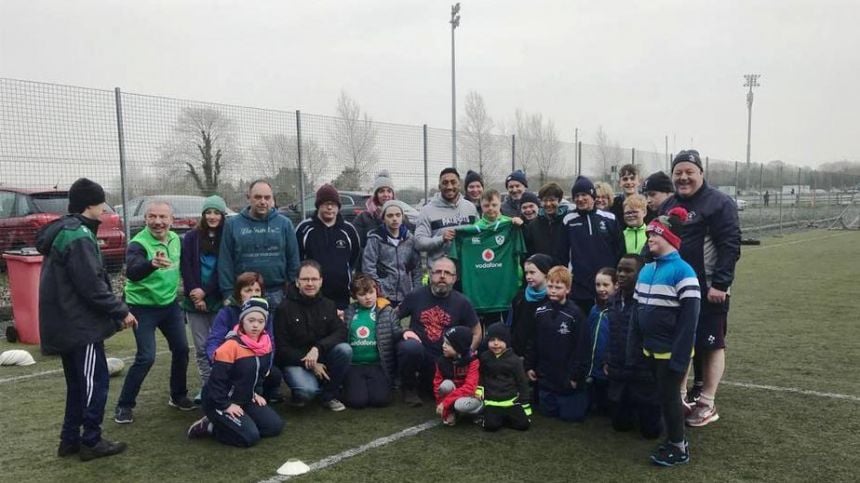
(299, 164)
(761, 195)
(513, 152)
(779, 182)
(707, 163)
(122, 168)
(736, 182)
(632, 156)
(426, 193)
(579, 156)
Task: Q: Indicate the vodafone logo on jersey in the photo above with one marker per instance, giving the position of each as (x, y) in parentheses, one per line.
(488, 255)
(362, 332)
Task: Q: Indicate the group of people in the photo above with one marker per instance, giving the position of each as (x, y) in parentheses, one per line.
(485, 306)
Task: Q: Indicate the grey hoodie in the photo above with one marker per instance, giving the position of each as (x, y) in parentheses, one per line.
(397, 269)
(435, 217)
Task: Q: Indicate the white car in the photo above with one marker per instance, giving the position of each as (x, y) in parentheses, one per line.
(741, 204)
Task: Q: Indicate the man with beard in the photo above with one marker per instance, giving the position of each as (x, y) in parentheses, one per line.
(431, 310)
(710, 243)
(446, 211)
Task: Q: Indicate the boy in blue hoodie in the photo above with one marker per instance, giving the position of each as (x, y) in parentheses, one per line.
(558, 353)
(664, 327)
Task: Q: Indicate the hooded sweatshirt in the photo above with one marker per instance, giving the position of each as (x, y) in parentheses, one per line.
(437, 216)
(593, 241)
(336, 248)
(76, 304)
(266, 246)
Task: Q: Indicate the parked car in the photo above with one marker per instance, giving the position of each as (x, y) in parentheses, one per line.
(741, 204)
(352, 203)
(186, 211)
(24, 211)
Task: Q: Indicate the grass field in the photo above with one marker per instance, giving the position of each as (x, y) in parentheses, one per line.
(793, 325)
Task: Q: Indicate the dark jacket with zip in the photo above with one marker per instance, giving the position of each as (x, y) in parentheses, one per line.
(336, 248)
(302, 323)
(503, 377)
(559, 351)
(237, 374)
(593, 241)
(521, 320)
(621, 309)
(77, 306)
(189, 268)
(546, 234)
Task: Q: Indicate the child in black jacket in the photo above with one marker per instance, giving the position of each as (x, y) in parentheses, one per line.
(503, 383)
(558, 355)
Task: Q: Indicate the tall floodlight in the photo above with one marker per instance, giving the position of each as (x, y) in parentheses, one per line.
(455, 22)
(751, 81)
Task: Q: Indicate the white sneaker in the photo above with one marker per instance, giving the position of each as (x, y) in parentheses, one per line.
(334, 405)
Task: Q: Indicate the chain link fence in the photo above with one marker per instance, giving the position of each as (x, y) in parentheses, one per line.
(139, 145)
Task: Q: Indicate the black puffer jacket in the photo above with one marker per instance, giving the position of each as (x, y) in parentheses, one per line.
(76, 304)
(388, 334)
(302, 323)
(503, 378)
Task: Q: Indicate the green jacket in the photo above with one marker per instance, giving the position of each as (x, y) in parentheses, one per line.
(634, 239)
(145, 285)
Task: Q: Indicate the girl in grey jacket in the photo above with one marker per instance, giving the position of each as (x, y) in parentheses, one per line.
(390, 257)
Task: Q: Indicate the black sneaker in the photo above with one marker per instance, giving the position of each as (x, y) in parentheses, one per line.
(123, 415)
(670, 455)
(200, 429)
(694, 394)
(68, 449)
(101, 449)
(183, 404)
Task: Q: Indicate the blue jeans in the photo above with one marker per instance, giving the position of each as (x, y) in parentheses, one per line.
(170, 322)
(304, 385)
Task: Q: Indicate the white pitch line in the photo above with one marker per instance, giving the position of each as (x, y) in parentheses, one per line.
(376, 443)
(794, 390)
(59, 371)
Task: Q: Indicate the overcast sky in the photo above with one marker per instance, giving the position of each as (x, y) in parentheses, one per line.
(642, 70)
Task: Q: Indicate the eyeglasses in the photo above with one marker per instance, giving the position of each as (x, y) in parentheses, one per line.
(443, 272)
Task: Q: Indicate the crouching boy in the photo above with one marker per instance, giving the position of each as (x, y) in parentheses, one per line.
(456, 376)
(504, 386)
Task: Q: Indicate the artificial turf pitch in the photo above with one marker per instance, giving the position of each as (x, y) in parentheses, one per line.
(793, 324)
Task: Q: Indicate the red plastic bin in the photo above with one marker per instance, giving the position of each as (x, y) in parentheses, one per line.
(24, 268)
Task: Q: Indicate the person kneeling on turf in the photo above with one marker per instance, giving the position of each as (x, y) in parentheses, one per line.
(236, 413)
(504, 386)
(456, 376)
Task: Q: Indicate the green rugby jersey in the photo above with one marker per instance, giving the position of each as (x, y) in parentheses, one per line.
(488, 255)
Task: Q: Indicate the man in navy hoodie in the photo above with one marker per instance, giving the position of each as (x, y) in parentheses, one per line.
(593, 241)
(711, 244)
(333, 242)
(260, 240)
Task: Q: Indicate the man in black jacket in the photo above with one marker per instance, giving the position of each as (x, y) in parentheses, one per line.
(77, 312)
(311, 348)
(331, 242)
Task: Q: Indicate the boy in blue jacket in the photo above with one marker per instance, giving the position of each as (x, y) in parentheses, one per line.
(558, 354)
(664, 327)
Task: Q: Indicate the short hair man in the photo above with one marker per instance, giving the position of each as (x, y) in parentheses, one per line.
(438, 218)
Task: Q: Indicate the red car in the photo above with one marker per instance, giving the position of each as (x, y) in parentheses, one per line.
(24, 211)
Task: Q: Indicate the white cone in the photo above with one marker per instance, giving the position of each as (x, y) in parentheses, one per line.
(115, 366)
(293, 467)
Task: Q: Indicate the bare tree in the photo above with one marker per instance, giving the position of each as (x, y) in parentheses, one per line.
(276, 152)
(203, 147)
(608, 152)
(354, 136)
(548, 149)
(478, 144)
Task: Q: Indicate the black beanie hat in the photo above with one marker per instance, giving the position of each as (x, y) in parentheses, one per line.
(83, 194)
(499, 331)
(472, 176)
(460, 339)
(688, 156)
(659, 182)
(517, 175)
(583, 185)
(529, 197)
(542, 262)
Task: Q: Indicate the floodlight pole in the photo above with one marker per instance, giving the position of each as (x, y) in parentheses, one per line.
(455, 22)
(751, 81)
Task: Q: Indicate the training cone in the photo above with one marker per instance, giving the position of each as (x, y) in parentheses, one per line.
(115, 366)
(293, 467)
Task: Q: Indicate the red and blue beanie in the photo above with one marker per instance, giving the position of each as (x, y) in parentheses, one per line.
(669, 226)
